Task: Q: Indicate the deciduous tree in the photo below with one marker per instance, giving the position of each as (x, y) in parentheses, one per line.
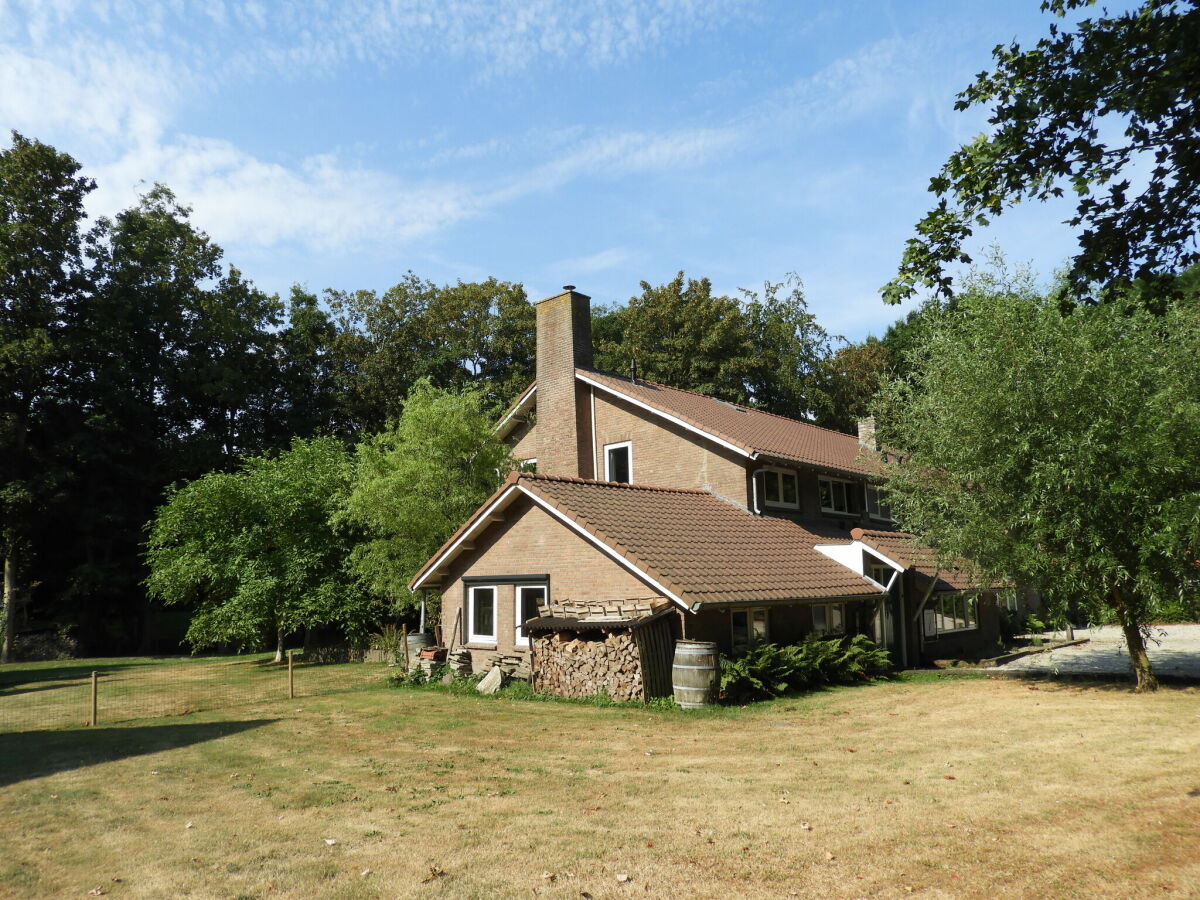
(1062, 451)
(416, 482)
(256, 552)
(41, 279)
(1107, 110)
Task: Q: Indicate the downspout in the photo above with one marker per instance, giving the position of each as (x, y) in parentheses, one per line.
(421, 627)
(754, 489)
(903, 627)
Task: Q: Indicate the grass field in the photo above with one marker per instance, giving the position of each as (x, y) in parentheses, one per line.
(922, 788)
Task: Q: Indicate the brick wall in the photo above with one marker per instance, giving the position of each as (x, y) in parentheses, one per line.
(524, 442)
(665, 455)
(564, 341)
(531, 542)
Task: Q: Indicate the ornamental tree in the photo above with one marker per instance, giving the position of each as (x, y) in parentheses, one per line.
(256, 552)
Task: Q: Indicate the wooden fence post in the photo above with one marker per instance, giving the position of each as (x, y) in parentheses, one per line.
(291, 678)
(92, 723)
(404, 638)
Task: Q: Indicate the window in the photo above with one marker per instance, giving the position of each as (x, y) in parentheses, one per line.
(530, 602)
(481, 615)
(780, 488)
(527, 465)
(882, 574)
(829, 618)
(748, 627)
(877, 505)
(838, 496)
(950, 612)
(618, 462)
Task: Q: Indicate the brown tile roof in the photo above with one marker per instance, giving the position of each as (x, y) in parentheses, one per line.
(907, 550)
(695, 545)
(752, 430)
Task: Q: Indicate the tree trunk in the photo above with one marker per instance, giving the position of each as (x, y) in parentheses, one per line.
(1136, 644)
(10, 600)
(279, 644)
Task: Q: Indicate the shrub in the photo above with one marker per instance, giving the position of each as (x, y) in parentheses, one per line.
(771, 670)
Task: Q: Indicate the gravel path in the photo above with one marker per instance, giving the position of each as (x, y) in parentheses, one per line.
(1176, 655)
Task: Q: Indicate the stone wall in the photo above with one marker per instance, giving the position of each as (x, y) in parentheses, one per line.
(584, 664)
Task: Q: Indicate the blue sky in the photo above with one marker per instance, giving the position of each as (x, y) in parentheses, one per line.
(584, 142)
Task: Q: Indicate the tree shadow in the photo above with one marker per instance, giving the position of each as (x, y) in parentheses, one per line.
(16, 681)
(34, 754)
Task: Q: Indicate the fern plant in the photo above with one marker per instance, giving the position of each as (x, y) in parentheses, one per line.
(771, 670)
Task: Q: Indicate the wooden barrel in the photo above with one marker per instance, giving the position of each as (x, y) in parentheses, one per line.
(694, 673)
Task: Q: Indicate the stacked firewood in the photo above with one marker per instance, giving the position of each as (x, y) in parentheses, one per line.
(513, 665)
(587, 664)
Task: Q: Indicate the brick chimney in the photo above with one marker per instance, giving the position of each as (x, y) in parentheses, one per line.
(866, 433)
(564, 343)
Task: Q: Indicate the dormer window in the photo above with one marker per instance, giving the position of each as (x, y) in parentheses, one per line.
(780, 488)
(838, 496)
(877, 505)
(618, 462)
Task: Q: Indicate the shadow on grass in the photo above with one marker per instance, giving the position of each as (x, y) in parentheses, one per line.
(17, 680)
(33, 754)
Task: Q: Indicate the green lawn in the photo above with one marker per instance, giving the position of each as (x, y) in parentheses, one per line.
(941, 788)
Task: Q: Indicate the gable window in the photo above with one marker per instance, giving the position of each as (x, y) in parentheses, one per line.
(877, 505)
(618, 462)
(780, 488)
(481, 615)
(829, 618)
(882, 574)
(748, 627)
(531, 601)
(950, 612)
(838, 496)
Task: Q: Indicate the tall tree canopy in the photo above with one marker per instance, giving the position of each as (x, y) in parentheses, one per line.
(1059, 450)
(256, 552)
(41, 281)
(1108, 111)
(477, 333)
(418, 481)
(764, 350)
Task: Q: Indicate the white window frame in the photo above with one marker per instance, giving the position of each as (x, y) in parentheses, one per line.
(877, 507)
(472, 637)
(847, 485)
(935, 614)
(751, 638)
(521, 639)
(527, 465)
(778, 472)
(619, 445)
(829, 608)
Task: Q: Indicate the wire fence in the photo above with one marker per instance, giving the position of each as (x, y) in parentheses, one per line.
(75, 692)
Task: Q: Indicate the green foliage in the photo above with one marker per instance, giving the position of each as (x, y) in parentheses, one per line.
(418, 481)
(852, 377)
(41, 281)
(772, 670)
(254, 549)
(1061, 451)
(765, 350)
(467, 334)
(1091, 111)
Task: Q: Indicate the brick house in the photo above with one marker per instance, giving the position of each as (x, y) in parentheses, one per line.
(755, 526)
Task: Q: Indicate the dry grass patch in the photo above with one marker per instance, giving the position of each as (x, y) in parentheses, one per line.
(956, 788)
